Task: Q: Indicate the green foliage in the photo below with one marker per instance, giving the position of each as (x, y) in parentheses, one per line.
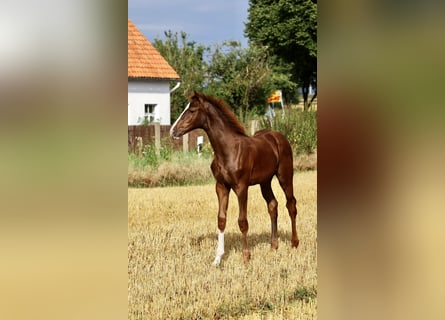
(245, 306)
(304, 294)
(241, 77)
(289, 30)
(170, 168)
(148, 157)
(146, 122)
(299, 127)
(187, 58)
(282, 79)
(281, 55)
(207, 151)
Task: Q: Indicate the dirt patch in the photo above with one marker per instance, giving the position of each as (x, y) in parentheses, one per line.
(305, 162)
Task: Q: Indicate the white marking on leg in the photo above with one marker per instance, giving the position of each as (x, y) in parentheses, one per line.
(177, 120)
(220, 249)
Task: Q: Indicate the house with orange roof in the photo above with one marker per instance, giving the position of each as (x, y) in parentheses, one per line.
(149, 76)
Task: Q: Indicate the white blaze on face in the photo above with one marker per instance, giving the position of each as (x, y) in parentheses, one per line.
(177, 120)
(220, 249)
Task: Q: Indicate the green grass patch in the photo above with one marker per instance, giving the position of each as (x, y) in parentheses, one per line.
(245, 307)
(299, 127)
(170, 168)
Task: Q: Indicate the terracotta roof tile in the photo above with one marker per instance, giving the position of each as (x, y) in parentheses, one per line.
(144, 61)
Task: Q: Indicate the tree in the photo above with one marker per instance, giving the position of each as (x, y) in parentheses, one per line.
(288, 28)
(187, 58)
(241, 77)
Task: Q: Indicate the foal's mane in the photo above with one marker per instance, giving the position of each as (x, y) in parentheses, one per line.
(224, 111)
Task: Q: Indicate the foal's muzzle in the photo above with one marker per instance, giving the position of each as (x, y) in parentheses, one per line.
(175, 134)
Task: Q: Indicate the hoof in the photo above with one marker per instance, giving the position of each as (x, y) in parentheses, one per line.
(274, 244)
(217, 261)
(295, 243)
(246, 256)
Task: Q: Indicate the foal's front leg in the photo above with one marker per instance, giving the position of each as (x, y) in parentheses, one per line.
(222, 192)
(243, 224)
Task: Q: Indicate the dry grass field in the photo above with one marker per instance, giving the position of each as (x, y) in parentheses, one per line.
(172, 243)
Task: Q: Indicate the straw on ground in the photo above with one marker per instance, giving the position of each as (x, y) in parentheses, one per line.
(172, 242)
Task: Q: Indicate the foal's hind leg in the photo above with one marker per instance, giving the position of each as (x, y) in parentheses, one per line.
(285, 177)
(272, 207)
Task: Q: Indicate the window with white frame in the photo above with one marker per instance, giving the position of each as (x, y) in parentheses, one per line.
(149, 112)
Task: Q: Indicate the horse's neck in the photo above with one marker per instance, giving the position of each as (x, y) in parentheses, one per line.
(221, 137)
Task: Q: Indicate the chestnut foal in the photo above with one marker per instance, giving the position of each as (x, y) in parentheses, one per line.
(239, 162)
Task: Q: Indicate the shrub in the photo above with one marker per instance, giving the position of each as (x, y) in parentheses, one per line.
(299, 127)
(169, 168)
(148, 156)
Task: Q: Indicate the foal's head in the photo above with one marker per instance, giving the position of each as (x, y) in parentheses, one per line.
(193, 117)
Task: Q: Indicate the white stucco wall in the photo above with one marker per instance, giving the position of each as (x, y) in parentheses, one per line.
(141, 92)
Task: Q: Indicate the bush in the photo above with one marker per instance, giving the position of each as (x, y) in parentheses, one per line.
(299, 127)
(169, 168)
(148, 156)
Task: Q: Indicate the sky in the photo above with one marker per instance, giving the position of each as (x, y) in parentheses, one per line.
(206, 22)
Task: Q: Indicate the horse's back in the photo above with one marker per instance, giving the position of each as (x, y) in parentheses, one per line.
(261, 132)
(268, 132)
(277, 139)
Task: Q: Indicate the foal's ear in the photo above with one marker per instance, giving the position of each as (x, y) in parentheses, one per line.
(194, 96)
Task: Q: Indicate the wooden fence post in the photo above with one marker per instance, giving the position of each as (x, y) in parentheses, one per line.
(254, 125)
(199, 143)
(158, 138)
(185, 143)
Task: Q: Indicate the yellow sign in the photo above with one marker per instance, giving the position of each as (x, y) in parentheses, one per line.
(275, 97)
